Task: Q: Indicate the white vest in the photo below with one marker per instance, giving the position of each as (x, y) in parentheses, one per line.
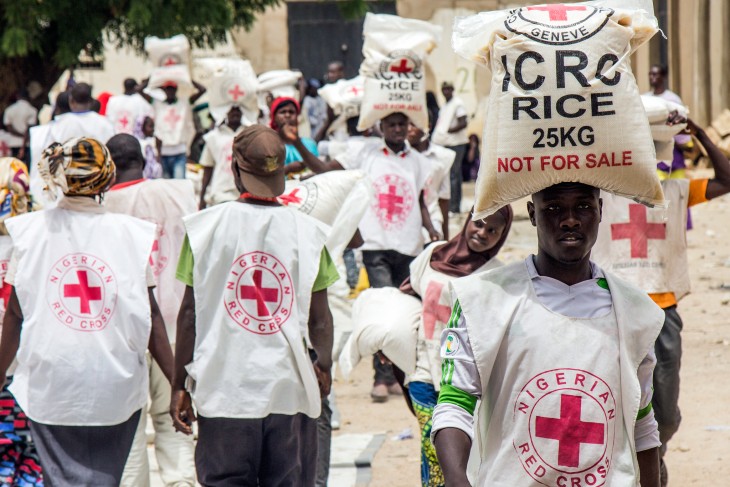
(222, 187)
(163, 202)
(82, 286)
(6, 249)
(173, 123)
(637, 244)
(555, 405)
(254, 271)
(433, 288)
(123, 111)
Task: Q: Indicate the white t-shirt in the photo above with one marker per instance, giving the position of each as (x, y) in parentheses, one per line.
(123, 111)
(449, 116)
(81, 124)
(393, 221)
(174, 126)
(438, 185)
(218, 153)
(20, 115)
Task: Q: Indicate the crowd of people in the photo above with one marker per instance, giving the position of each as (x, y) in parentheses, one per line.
(131, 291)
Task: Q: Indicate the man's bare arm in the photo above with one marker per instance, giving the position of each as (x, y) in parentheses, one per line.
(452, 449)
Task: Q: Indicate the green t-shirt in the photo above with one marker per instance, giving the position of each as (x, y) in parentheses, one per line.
(327, 275)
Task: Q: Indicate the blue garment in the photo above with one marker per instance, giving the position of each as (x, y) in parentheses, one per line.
(293, 155)
(174, 166)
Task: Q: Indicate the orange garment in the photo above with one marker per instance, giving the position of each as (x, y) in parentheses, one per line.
(697, 195)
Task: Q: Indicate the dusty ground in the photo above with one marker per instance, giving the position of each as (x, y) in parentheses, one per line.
(698, 455)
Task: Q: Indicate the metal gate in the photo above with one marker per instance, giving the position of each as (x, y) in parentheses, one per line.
(319, 34)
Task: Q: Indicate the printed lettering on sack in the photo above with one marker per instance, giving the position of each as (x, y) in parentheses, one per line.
(393, 202)
(81, 290)
(558, 24)
(259, 295)
(565, 428)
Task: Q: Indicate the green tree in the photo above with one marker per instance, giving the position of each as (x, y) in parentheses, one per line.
(41, 39)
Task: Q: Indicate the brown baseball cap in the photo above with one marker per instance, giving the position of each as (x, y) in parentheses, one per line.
(259, 155)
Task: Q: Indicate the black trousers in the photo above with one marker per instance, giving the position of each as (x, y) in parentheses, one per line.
(665, 401)
(386, 268)
(276, 451)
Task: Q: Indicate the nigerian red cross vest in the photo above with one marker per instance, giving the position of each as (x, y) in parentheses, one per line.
(647, 247)
(252, 292)
(559, 395)
(82, 283)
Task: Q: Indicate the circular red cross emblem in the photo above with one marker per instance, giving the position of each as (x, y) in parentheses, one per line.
(393, 202)
(401, 63)
(82, 292)
(565, 422)
(558, 24)
(303, 197)
(259, 295)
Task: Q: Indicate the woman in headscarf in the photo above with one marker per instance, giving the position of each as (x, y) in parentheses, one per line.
(19, 463)
(285, 120)
(473, 250)
(82, 298)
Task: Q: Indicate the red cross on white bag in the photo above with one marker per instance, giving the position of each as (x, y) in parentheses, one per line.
(557, 12)
(639, 231)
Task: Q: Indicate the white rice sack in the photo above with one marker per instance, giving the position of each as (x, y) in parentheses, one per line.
(395, 51)
(337, 198)
(167, 52)
(564, 105)
(345, 96)
(386, 320)
(232, 82)
(281, 82)
(656, 108)
(178, 74)
(658, 111)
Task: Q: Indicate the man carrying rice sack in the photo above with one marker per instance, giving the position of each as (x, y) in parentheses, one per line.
(649, 249)
(559, 352)
(394, 49)
(472, 251)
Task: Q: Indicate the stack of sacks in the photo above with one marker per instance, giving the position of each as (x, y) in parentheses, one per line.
(170, 58)
(386, 320)
(564, 105)
(658, 110)
(395, 51)
(281, 82)
(232, 82)
(337, 198)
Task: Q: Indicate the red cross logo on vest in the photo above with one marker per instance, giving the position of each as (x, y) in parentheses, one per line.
(4, 149)
(259, 296)
(569, 430)
(433, 312)
(565, 423)
(236, 93)
(172, 117)
(124, 121)
(81, 290)
(394, 200)
(639, 231)
(558, 12)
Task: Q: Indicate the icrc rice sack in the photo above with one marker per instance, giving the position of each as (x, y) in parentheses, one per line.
(232, 82)
(383, 319)
(167, 52)
(337, 198)
(564, 105)
(395, 51)
(657, 112)
(345, 96)
(280, 82)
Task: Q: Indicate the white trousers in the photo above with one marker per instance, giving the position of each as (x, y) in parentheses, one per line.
(174, 451)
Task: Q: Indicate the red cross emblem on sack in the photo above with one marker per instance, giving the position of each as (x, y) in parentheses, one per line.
(259, 294)
(236, 92)
(394, 200)
(433, 312)
(565, 423)
(558, 12)
(81, 290)
(639, 231)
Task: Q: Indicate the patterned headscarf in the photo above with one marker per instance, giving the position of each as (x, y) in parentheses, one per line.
(14, 187)
(79, 167)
